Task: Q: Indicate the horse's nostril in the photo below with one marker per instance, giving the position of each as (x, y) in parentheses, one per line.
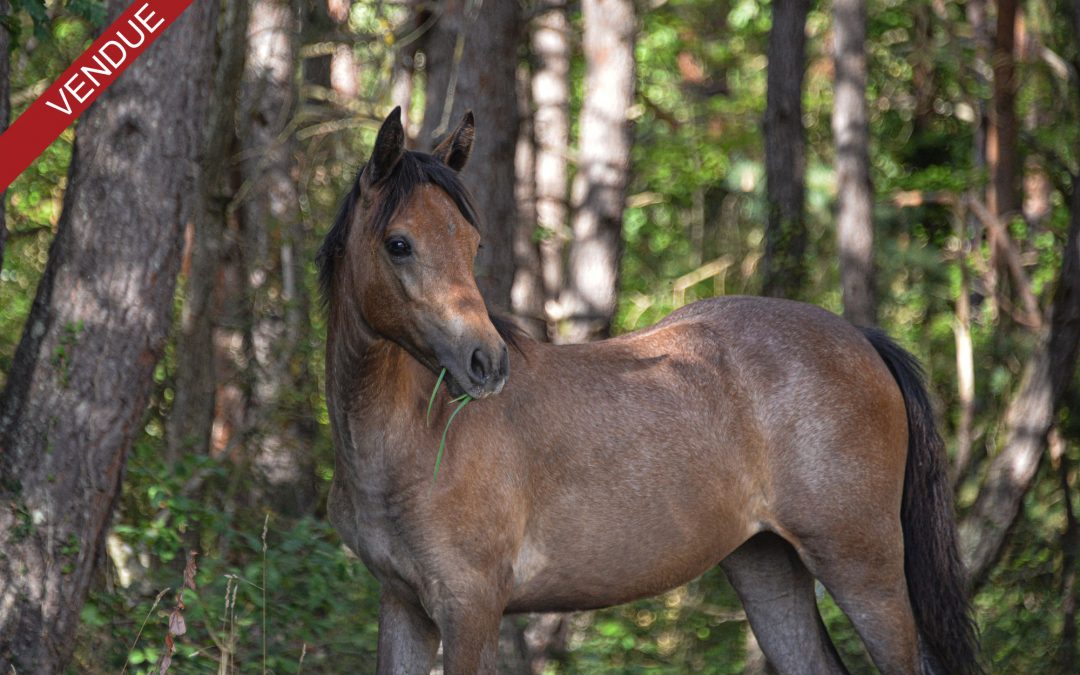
(479, 367)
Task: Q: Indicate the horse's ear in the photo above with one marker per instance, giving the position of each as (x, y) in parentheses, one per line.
(455, 149)
(389, 146)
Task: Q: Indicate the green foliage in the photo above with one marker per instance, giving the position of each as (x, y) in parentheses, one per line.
(42, 21)
(315, 591)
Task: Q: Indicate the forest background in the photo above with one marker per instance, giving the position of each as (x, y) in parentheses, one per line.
(908, 163)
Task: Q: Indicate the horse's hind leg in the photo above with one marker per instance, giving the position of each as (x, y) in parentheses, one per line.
(865, 575)
(777, 593)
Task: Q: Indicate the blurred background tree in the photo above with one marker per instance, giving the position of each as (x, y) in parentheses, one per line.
(912, 164)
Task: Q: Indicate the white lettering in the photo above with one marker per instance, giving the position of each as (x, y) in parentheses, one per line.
(147, 19)
(115, 63)
(67, 106)
(89, 71)
(142, 37)
(75, 90)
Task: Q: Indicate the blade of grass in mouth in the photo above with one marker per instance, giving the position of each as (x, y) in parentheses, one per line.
(461, 401)
(431, 401)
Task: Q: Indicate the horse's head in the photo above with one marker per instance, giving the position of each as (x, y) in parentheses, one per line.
(404, 250)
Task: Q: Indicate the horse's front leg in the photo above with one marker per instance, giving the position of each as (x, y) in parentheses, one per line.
(471, 640)
(408, 638)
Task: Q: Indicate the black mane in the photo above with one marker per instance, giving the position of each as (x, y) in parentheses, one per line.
(412, 170)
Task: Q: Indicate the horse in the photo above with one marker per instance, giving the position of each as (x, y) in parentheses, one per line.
(769, 437)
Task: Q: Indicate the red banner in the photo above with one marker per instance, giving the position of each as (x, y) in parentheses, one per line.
(74, 91)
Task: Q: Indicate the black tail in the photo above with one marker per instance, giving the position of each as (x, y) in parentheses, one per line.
(935, 575)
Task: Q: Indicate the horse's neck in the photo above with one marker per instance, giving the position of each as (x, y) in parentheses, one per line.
(370, 380)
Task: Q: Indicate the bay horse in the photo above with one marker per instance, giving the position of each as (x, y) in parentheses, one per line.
(770, 437)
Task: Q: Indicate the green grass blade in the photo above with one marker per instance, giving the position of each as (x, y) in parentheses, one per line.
(431, 401)
(464, 398)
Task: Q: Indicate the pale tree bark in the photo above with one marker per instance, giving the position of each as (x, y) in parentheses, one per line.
(192, 413)
(785, 155)
(969, 229)
(854, 191)
(343, 62)
(527, 293)
(404, 69)
(281, 429)
(5, 109)
(1030, 415)
(83, 371)
(472, 56)
(965, 357)
(587, 305)
(551, 129)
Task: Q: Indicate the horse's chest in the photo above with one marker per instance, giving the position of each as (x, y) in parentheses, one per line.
(373, 527)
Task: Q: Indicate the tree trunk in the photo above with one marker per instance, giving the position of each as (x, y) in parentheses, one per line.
(527, 293)
(1029, 417)
(5, 109)
(83, 370)
(854, 191)
(1002, 197)
(1066, 657)
(965, 358)
(922, 71)
(472, 56)
(976, 16)
(404, 68)
(785, 161)
(192, 414)
(587, 306)
(318, 26)
(551, 130)
(281, 431)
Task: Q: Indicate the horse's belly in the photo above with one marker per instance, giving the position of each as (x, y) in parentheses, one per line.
(600, 571)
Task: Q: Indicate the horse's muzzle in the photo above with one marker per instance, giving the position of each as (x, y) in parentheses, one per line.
(487, 370)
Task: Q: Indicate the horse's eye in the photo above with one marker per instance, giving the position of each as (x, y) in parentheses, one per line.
(398, 247)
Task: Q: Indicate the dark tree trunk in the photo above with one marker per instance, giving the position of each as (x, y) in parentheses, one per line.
(551, 129)
(785, 160)
(855, 194)
(1070, 554)
(192, 413)
(587, 306)
(922, 71)
(1003, 196)
(318, 27)
(82, 373)
(5, 109)
(472, 56)
(281, 432)
(975, 11)
(1030, 416)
